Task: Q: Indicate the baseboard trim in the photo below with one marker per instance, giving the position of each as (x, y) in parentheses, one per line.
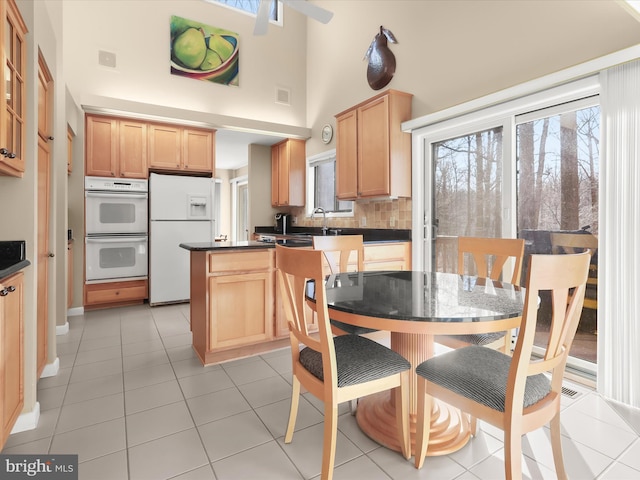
(62, 329)
(75, 311)
(51, 369)
(27, 421)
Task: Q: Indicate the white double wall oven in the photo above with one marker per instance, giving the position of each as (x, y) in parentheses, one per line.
(116, 219)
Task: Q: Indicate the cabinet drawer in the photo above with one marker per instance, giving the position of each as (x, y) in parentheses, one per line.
(105, 293)
(386, 252)
(245, 261)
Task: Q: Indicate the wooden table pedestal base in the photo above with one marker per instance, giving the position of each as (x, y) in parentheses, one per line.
(376, 417)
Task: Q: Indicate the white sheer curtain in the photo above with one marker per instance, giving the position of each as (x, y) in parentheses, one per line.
(619, 252)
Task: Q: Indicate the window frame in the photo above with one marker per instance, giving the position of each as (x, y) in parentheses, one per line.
(458, 122)
(279, 21)
(313, 161)
(567, 96)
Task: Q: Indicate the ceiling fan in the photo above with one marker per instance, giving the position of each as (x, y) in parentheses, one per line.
(302, 6)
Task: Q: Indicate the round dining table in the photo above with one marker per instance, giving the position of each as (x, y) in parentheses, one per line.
(416, 306)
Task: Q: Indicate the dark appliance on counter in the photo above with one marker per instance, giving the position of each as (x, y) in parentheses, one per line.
(283, 223)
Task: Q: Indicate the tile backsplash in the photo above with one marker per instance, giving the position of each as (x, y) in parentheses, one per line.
(394, 214)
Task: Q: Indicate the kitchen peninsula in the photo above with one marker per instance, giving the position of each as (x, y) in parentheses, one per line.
(235, 311)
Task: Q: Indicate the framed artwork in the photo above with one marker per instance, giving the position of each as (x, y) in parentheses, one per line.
(204, 52)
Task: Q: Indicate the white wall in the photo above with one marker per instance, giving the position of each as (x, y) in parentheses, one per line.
(449, 52)
(138, 33)
(260, 211)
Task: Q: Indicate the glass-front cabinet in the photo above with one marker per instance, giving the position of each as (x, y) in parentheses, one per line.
(12, 101)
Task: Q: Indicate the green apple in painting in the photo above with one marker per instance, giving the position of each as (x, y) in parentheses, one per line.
(190, 48)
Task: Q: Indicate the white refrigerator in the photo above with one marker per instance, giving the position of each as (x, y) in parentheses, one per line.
(180, 211)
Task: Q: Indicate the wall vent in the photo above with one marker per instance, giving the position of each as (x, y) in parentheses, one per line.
(283, 96)
(107, 59)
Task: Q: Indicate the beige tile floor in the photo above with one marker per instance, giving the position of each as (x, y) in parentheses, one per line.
(133, 402)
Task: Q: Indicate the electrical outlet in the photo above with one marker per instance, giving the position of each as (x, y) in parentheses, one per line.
(363, 221)
(294, 220)
(392, 221)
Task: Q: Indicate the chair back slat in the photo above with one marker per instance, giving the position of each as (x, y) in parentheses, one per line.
(295, 267)
(338, 249)
(576, 243)
(565, 277)
(499, 250)
(573, 242)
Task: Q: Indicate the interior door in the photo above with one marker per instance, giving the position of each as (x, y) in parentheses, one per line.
(45, 89)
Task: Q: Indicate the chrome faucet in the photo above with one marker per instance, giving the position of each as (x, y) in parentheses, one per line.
(325, 229)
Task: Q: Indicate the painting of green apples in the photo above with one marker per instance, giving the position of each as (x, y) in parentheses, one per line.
(204, 52)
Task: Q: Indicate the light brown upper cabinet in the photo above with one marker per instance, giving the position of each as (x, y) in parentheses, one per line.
(116, 147)
(12, 92)
(288, 173)
(373, 155)
(176, 148)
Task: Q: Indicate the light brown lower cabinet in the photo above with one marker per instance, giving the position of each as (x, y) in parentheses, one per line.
(236, 310)
(232, 302)
(114, 294)
(387, 256)
(11, 351)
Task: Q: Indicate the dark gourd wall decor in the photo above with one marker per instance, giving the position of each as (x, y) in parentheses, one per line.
(382, 62)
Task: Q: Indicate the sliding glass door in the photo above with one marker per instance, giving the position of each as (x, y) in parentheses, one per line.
(534, 176)
(557, 196)
(467, 192)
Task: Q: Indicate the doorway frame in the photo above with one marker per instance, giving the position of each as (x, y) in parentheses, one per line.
(236, 183)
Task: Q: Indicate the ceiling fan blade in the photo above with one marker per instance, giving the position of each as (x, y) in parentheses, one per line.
(262, 18)
(309, 9)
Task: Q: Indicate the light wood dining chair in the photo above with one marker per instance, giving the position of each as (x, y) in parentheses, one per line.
(338, 250)
(517, 394)
(489, 255)
(335, 369)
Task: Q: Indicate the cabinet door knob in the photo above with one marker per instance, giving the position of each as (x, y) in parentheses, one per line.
(51, 255)
(50, 137)
(6, 153)
(4, 292)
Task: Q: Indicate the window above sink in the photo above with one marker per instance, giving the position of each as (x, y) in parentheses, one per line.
(321, 187)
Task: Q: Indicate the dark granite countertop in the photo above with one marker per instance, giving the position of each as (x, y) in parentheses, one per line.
(369, 235)
(12, 257)
(300, 237)
(228, 246)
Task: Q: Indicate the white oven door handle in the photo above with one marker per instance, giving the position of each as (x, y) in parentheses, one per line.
(115, 239)
(115, 194)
